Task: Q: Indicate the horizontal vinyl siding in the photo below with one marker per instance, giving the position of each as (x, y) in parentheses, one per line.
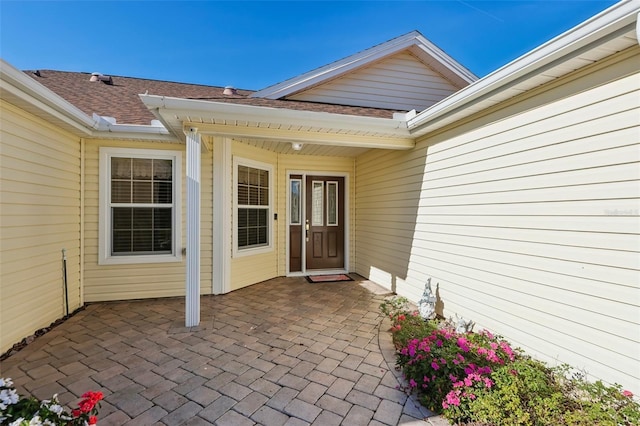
(252, 269)
(311, 164)
(130, 281)
(400, 82)
(528, 223)
(39, 216)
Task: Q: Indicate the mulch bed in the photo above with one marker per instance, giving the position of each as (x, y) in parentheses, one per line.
(24, 342)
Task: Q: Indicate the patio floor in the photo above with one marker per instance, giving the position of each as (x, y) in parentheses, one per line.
(282, 352)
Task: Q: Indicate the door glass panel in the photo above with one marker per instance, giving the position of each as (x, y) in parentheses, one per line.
(294, 218)
(317, 203)
(332, 203)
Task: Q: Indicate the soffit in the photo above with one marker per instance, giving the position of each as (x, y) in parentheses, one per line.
(253, 123)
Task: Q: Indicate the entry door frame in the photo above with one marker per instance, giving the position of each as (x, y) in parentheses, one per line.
(347, 220)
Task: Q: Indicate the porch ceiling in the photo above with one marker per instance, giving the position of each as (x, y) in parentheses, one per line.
(275, 129)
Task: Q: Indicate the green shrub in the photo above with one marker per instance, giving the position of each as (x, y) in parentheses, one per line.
(478, 378)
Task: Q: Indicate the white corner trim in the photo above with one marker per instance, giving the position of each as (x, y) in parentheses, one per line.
(222, 202)
(610, 21)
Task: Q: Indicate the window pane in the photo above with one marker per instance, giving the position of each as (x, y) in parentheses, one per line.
(332, 203)
(122, 217)
(142, 168)
(142, 218)
(142, 192)
(120, 168)
(253, 218)
(243, 220)
(242, 237)
(264, 197)
(120, 191)
(142, 240)
(294, 218)
(263, 178)
(254, 176)
(243, 195)
(162, 192)
(254, 196)
(243, 175)
(317, 203)
(121, 242)
(162, 170)
(162, 219)
(162, 241)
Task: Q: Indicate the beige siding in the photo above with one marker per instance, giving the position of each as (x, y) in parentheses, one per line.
(252, 269)
(526, 220)
(310, 164)
(134, 281)
(39, 216)
(400, 82)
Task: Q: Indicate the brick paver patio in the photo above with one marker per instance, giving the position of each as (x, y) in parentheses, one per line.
(282, 352)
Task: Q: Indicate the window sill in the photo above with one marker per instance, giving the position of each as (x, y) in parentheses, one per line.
(128, 260)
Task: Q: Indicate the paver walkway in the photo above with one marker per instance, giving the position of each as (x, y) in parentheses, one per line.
(282, 352)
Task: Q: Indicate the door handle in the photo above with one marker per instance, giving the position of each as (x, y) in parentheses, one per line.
(306, 230)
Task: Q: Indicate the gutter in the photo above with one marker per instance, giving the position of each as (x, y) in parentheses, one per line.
(611, 22)
(23, 87)
(396, 126)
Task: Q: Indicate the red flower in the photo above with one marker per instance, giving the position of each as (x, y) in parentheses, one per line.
(93, 420)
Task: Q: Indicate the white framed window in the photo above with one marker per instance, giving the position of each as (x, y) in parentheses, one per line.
(252, 199)
(140, 216)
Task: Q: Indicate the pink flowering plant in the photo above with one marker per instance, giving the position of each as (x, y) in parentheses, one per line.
(444, 364)
(28, 411)
(478, 378)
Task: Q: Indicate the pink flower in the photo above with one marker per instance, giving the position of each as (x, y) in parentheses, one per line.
(435, 365)
(627, 393)
(413, 383)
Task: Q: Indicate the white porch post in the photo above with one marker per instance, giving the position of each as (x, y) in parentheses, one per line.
(192, 298)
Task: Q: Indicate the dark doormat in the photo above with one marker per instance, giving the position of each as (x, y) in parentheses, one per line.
(333, 278)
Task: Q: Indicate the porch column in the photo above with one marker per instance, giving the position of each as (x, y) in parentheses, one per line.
(192, 294)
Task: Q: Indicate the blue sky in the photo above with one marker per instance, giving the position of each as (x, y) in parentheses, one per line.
(252, 45)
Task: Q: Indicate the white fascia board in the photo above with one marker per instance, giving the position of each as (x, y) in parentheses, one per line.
(30, 91)
(209, 110)
(616, 20)
(360, 59)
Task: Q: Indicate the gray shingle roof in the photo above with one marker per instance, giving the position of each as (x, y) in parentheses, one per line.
(120, 99)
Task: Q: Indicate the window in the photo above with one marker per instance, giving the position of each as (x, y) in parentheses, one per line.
(140, 206)
(253, 206)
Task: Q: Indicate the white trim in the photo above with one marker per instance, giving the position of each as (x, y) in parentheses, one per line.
(363, 58)
(347, 221)
(617, 19)
(250, 251)
(222, 218)
(192, 267)
(104, 238)
(220, 111)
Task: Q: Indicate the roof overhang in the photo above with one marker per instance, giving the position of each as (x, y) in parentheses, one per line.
(609, 32)
(415, 42)
(283, 125)
(19, 89)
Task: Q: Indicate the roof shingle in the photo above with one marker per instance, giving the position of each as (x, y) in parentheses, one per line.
(120, 99)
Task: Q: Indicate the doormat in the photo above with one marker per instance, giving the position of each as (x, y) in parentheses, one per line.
(335, 278)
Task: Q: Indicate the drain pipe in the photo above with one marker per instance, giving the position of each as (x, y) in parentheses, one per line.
(66, 288)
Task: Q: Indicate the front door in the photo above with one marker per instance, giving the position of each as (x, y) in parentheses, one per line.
(321, 230)
(324, 222)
